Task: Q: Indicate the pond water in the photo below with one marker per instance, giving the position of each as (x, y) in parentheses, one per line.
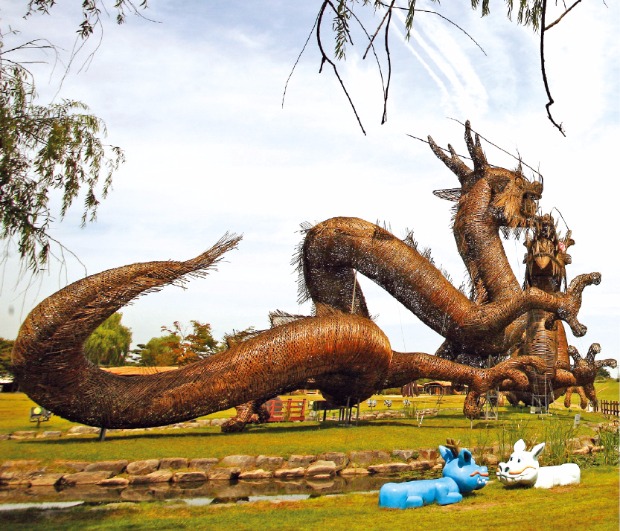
(204, 493)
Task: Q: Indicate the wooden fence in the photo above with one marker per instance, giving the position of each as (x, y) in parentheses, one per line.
(609, 407)
(286, 410)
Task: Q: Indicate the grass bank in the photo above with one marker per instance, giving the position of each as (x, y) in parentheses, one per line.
(592, 505)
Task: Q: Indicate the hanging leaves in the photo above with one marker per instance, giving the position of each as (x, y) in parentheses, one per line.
(46, 148)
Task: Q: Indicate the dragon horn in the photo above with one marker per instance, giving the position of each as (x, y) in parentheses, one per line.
(475, 149)
(454, 163)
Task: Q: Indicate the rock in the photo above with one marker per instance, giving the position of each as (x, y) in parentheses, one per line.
(256, 474)
(423, 465)
(405, 455)
(52, 434)
(189, 477)
(82, 430)
(13, 478)
(339, 458)
(22, 434)
(269, 462)
(584, 450)
(490, 459)
(574, 443)
(389, 468)
(158, 476)
(429, 454)
(354, 471)
(367, 457)
(300, 460)
(116, 467)
(223, 473)
(143, 467)
(321, 469)
(244, 462)
(173, 463)
(85, 478)
(204, 463)
(115, 482)
(284, 473)
(45, 480)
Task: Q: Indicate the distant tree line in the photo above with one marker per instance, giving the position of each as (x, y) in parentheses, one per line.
(109, 345)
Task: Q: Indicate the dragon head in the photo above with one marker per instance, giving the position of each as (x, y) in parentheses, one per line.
(547, 257)
(513, 198)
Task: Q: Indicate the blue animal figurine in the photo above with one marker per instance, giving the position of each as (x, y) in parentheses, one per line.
(461, 475)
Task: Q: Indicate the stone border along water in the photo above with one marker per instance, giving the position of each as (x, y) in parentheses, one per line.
(231, 478)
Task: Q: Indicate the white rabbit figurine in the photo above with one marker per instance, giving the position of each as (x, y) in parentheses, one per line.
(523, 469)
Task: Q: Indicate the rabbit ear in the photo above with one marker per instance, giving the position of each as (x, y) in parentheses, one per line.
(537, 450)
(520, 445)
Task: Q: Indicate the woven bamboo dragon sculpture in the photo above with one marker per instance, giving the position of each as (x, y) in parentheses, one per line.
(340, 350)
(546, 260)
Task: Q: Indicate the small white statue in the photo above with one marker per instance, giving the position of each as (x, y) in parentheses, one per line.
(523, 469)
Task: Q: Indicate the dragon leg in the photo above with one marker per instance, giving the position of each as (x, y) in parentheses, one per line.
(406, 367)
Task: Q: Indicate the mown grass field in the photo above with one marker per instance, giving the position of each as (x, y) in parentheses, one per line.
(592, 506)
(308, 437)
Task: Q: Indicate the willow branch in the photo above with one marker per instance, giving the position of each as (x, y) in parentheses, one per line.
(543, 70)
(326, 59)
(561, 16)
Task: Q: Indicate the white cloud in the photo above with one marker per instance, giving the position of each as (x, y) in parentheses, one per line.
(196, 103)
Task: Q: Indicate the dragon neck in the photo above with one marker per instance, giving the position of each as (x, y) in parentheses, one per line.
(476, 231)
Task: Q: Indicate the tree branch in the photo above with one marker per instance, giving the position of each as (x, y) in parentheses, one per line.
(543, 70)
(561, 16)
(326, 59)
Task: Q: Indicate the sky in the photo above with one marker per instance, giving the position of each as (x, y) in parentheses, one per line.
(194, 96)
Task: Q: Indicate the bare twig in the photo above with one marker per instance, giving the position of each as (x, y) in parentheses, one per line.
(543, 70)
(326, 59)
(430, 12)
(389, 62)
(561, 16)
(298, 59)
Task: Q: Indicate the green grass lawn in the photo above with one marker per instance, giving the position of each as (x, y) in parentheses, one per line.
(284, 439)
(592, 506)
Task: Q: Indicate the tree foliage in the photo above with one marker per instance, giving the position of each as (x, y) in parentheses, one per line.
(6, 347)
(46, 149)
(109, 343)
(160, 351)
(180, 345)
